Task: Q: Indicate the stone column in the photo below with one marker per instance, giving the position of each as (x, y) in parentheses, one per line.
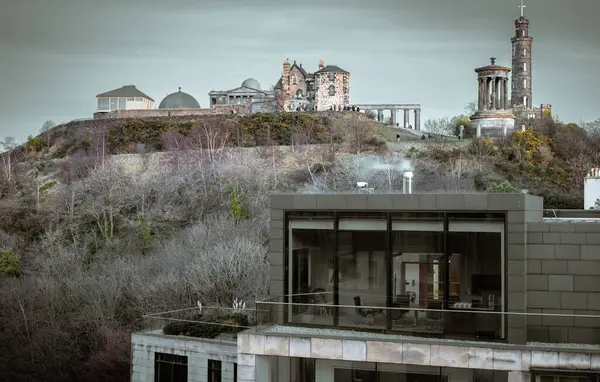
(393, 111)
(505, 88)
(486, 93)
(406, 118)
(494, 93)
(379, 116)
(499, 94)
(418, 119)
(479, 94)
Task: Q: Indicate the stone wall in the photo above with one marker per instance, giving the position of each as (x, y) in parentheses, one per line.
(563, 277)
(300, 83)
(150, 113)
(342, 90)
(198, 351)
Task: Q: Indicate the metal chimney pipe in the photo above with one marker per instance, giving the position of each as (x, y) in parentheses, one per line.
(407, 182)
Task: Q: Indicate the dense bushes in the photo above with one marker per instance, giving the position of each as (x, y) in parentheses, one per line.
(253, 130)
(208, 326)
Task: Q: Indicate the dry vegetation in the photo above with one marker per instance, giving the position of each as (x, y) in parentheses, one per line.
(90, 241)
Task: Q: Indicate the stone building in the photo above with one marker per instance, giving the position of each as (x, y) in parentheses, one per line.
(494, 115)
(248, 92)
(127, 97)
(177, 104)
(410, 287)
(327, 88)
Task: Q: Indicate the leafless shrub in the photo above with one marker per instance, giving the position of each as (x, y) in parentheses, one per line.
(355, 135)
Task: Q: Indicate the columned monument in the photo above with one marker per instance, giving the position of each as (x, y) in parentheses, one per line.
(494, 115)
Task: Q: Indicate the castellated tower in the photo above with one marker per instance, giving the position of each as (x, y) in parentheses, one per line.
(521, 65)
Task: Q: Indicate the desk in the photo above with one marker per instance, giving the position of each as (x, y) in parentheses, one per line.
(467, 321)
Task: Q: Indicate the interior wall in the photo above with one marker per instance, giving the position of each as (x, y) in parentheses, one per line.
(325, 370)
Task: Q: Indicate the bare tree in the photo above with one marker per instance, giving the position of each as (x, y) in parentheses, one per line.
(8, 144)
(439, 126)
(356, 134)
(46, 126)
(471, 108)
(592, 127)
(211, 138)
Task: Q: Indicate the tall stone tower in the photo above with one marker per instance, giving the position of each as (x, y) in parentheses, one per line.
(521, 64)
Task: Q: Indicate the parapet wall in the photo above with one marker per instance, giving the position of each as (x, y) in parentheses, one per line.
(149, 113)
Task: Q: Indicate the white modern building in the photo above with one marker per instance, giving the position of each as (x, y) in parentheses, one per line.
(409, 287)
(127, 97)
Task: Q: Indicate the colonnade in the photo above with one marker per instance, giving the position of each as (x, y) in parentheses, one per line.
(394, 109)
(493, 93)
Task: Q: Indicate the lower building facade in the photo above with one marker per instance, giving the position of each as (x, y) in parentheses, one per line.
(425, 287)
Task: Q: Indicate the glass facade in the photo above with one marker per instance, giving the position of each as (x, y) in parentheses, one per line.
(432, 273)
(103, 103)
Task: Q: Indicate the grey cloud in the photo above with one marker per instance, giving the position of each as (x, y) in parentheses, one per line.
(59, 54)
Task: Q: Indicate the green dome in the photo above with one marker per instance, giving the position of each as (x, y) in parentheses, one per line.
(179, 100)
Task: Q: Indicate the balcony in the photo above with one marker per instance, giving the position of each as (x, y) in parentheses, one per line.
(460, 321)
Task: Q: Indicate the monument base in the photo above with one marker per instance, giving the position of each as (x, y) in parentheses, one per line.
(493, 124)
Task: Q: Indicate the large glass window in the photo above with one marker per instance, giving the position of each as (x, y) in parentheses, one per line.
(103, 103)
(362, 271)
(435, 273)
(311, 277)
(418, 271)
(475, 246)
(122, 103)
(114, 103)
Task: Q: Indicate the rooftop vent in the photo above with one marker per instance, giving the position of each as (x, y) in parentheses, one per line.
(407, 182)
(591, 189)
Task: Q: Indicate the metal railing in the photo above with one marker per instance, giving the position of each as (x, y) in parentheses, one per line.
(480, 322)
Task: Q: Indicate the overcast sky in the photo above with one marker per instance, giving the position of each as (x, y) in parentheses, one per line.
(56, 55)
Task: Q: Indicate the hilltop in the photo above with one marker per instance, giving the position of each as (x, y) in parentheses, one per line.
(102, 221)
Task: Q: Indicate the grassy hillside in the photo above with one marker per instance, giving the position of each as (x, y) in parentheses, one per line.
(102, 221)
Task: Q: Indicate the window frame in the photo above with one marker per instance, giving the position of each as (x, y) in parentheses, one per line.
(447, 222)
(172, 360)
(214, 370)
(332, 91)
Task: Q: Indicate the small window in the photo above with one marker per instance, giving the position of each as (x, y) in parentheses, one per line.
(294, 80)
(130, 98)
(332, 90)
(170, 368)
(299, 94)
(331, 76)
(214, 370)
(138, 99)
(524, 52)
(525, 67)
